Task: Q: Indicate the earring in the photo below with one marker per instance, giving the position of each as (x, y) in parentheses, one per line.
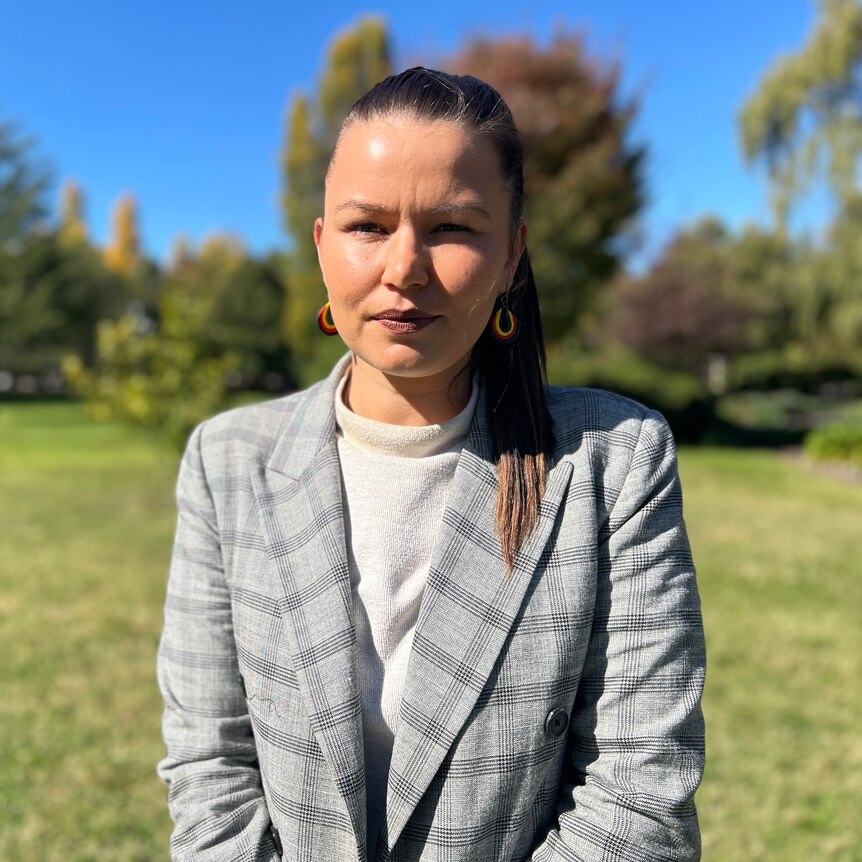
(504, 324)
(325, 321)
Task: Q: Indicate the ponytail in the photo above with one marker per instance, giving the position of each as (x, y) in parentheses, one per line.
(515, 376)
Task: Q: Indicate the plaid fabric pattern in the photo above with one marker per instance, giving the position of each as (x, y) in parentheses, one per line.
(600, 618)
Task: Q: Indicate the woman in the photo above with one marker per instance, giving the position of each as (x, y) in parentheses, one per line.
(430, 608)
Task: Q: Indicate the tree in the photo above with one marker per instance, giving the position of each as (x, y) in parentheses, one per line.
(122, 254)
(804, 120)
(837, 273)
(161, 381)
(583, 177)
(52, 295)
(358, 59)
(682, 311)
(246, 321)
(218, 318)
(232, 303)
(73, 226)
(166, 379)
(24, 183)
(763, 272)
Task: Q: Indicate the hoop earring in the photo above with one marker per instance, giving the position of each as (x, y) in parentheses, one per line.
(325, 321)
(504, 325)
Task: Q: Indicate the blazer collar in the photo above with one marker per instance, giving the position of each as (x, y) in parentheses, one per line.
(310, 428)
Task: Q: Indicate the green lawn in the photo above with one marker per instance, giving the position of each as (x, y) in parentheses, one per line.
(778, 552)
(87, 516)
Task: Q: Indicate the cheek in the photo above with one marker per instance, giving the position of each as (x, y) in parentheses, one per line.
(473, 280)
(347, 269)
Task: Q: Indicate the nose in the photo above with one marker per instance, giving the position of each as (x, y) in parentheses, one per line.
(406, 263)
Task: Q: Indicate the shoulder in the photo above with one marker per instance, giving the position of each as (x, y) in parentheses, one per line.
(606, 424)
(618, 447)
(251, 433)
(281, 432)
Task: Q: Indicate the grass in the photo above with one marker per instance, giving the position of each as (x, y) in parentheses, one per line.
(778, 562)
(87, 514)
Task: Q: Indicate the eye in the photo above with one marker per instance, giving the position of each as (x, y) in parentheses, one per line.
(364, 227)
(449, 227)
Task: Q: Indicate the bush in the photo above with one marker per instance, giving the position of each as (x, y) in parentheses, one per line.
(836, 443)
(680, 397)
(158, 381)
(797, 369)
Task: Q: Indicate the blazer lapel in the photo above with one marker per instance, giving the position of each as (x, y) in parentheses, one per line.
(300, 503)
(468, 608)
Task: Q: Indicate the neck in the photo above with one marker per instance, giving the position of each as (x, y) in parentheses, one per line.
(407, 400)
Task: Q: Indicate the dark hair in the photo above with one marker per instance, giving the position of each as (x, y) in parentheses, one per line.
(514, 374)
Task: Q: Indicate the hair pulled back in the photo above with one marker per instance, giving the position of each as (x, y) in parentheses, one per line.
(514, 374)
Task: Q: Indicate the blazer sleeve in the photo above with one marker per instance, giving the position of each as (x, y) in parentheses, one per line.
(635, 751)
(215, 795)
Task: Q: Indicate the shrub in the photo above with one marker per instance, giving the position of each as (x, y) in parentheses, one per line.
(680, 397)
(836, 443)
(794, 368)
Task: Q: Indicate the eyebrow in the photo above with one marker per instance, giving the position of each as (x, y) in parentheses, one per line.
(439, 210)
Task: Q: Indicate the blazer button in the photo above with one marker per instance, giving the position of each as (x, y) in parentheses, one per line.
(276, 839)
(556, 722)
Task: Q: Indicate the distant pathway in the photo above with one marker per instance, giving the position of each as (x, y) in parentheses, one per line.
(839, 470)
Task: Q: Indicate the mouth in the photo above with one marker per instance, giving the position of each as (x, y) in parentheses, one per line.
(404, 321)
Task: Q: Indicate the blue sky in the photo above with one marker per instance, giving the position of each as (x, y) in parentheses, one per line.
(183, 104)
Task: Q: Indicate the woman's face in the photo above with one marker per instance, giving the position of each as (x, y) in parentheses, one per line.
(415, 244)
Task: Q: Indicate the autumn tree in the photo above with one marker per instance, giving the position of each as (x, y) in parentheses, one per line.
(683, 310)
(54, 287)
(357, 59)
(583, 175)
(123, 254)
(73, 226)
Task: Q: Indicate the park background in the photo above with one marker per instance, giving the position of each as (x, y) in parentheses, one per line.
(695, 212)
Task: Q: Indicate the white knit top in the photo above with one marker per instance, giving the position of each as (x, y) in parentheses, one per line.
(395, 482)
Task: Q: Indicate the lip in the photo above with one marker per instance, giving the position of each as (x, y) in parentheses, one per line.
(404, 321)
(403, 314)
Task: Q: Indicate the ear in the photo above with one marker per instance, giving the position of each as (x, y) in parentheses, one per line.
(318, 230)
(519, 243)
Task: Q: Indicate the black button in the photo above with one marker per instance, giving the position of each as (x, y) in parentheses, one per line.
(556, 722)
(276, 839)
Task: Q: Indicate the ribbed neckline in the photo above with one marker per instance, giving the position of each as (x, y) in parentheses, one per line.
(405, 441)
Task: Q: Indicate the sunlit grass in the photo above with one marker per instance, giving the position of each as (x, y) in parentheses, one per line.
(778, 553)
(87, 516)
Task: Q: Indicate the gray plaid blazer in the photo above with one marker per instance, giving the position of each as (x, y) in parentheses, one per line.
(550, 714)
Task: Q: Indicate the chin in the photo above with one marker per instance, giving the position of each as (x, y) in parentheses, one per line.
(405, 361)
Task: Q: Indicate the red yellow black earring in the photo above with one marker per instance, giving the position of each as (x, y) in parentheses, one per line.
(325, 321)
(504, 324)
